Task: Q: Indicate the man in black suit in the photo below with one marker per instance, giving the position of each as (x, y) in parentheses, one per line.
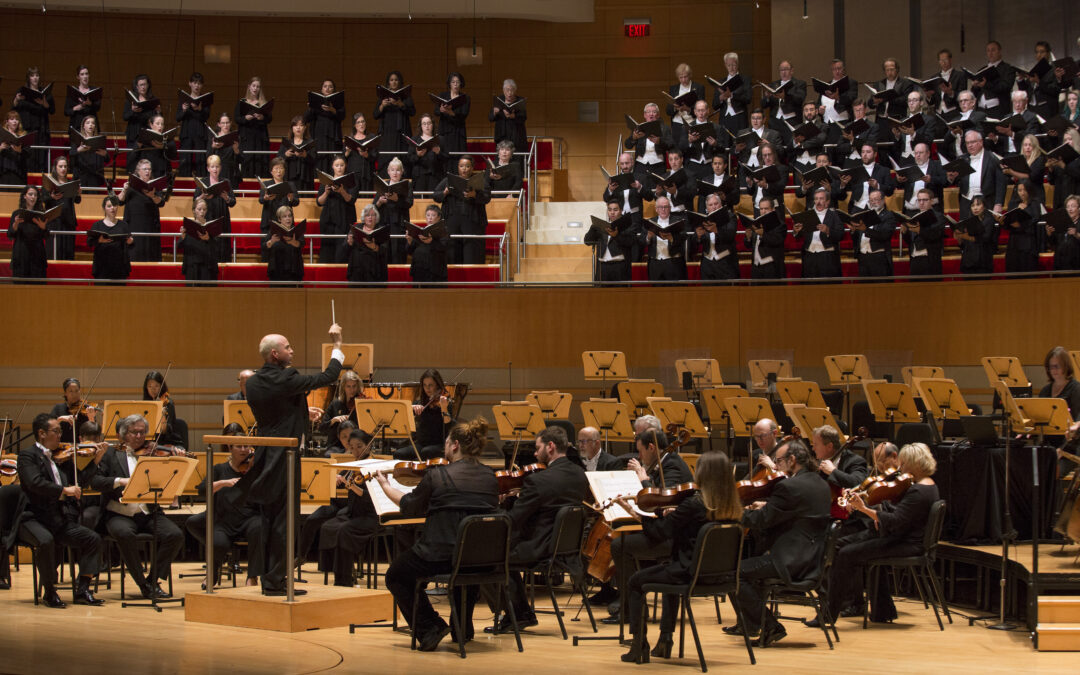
(732, 103)
(666, 251)
(958, 122)
(242, 378)
(747, 152)
(562, 483)
(698, 148)
(1042, 91)
(849, 143)
(678, 114)
(54, 514)
(804, 188)
(717, 177)
(766, 246)
(791, 526)
(631, 199)
(933, 178)
(276, 394)
(943, 97)
(125, 521)
(876, 177)
(612, 248)
(1009, 140)
(820, 245)
(924, 241)
(892, 81)
(839, 466)
(987, 179)
(649, 151)
(784, 105)
(992, 96)
(804, 147)
(590, 444)
(715, 241)
(838, 103)
(761, 187)
(872, 244)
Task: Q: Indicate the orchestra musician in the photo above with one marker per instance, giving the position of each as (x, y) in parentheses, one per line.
(838, 465)
(716, 500)
(72, 411)
(343, 407)
(350, 440)
(125, 521)
(445, 496)
(766, 436)
(345, 536)
(234, 519)
(169, 434)
(1060, 380)
(242, 377)
(276, 396)
(338, 214)
(593, 455)
(54, 515)
(28, 257)
(394, 115)
(110, 239)
(432, 408)
(254, 133)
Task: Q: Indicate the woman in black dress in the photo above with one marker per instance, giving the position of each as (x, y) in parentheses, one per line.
(395, 117)
(285, 260)
(200, 251)
(218, 205)
(510, 125)
(465, 214)
(228, 154)
(433, 416)
(445, 496)
(428, 253)
(193, 119)
(142, 211)
(367, 261)
(137, 116)
(270, 205)
(254, 133)
(346, 535)
(299, 163)
(1021, 253)
(361, 162)
(1066, 240)
(1061, 381)
(168, 432)
(394, 210)
(28, 259)
(110, 239)
(977, 244)
(13, 158)
(87, 165)
(505, 176)
(452, 133)
(338, 214)
(34, 113)
(160, 154)
(76, 107)
(426, 166)
(325, 123)
(67, 222)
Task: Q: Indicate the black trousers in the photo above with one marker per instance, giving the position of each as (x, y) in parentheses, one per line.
(169, 541)
(751, 597)
(875, 264)
(671, 269)
(49, 545)
(772, 270)
(225, 535)
(637, 607)
(351, 536)
(853, 553)
(725, 268)
(275, 527)
(312, 526)
(925, 265)
(401, 579)
(618, 270)
(627, 550)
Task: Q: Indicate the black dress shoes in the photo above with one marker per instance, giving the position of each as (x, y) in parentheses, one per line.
(5, 584)
(662, 650)
(525, 620)
(430, 642)
(639, 652)
(83, 596)
(770, 635)
(737, 629)
(50, 598)
(281, 592)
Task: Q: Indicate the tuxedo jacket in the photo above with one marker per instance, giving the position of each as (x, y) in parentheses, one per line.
(43, 492)
(562, 483)
(792, 524)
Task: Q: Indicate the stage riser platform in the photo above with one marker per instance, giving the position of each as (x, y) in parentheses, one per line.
(1059, 623)
(321, 607)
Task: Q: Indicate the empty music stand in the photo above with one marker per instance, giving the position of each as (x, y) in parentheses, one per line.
(744, 414)
(717, 410)
(847, 370)
(909, 373)
(157, 481)
(701, 371)
(611, 417)
(762, 369)
(118, 410)
(359, 358)
(387, 419)
(807, 419)
(636, 394)
(682, 414)
(891, 403)
(603, 366)
(517, 420)
(942, 399)
(240, 413)
(804, 392)
(555, 405)
(316, 480)
(1009, 370)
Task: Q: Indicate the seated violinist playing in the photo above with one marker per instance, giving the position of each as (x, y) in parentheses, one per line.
(345, 536)
(893, 530)
(766, 438)
(715, 500)
(234, 519)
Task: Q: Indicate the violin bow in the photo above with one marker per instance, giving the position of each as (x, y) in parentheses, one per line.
(659, 459)
(161, 417)
(89, 393)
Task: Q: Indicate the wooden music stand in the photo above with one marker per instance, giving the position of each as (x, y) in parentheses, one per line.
(611, 417)
(118, 410)
(316, 480)
(761, 369)
(703, 371)
(1045, 415)
(240, 413)
(518, 419)
(808, 419)
(1074, 354)
(682, 414)
(909, 373)
(746, 412)
(1016, 418)
(716, 410)
(1007, 368)
(202, 467)
(847, 370)
(386, 419)
(603, 366)
(804, 392)
(555, 405)
(359, 358)
(942, 399)
(891, 403)
(636, 393)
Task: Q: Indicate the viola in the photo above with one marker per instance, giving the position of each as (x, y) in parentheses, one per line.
(66, 451)
(245, 463)
(514, 479)
(8, 467)
(878, 489)
(411, 473)
(651, 499)
(760, 486)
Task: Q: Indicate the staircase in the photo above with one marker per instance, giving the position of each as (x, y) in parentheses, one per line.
(553, 250)
(1059, 623)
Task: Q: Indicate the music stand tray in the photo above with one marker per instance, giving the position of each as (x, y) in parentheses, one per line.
(942, 398)
(847, 369)
(891, 402)
(600, 365)
(359, 357)
(760, 369)
(392, 418)
(808, 419)
(316, 480)
(800, 391)
(909, 373)
(682, 414)
(518, 419)
(240, 413)
(636, 393)
(611, 417)
(746, 412)
(1007, 368)
(1045, 415)
(1017, 419)
(118, 410)
(555, 405)
(714, 398)
(703, 371)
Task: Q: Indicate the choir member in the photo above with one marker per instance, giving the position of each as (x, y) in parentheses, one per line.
(716, 241)
(1065, 177)
(807, 143)
(254, 133)
(138, 116)
(1022, 251)
(445, 495)
(872, 244)
(338, 214)
(28, 258)
(986, 180)
(1035, 159)
(699, 148)
(284, 259)
(924, 242)
(361, 162)
(747, 152)
(784, 105)
(804, 188)
(933, 177)
(649, 151)
(849, 143)
(954, 80)
(367, 260)
(270, 205)
(87, 165)
(882, 104)
(679, 114)
(510, 124)
(218, 205)
(992, 95)
(142, 211)
(452, 132)
(325, 124)
(838, 103)
(427, 166)
(682, 192)
(1065, 239)
(876, 177)
(228, 155)
(733, 104)
(394, 115)
(394, 210)
(954, 145)
(907, 137)
(978, 242)
(761, 188)
(14, 158)
(300, 161)
(1042, 91)
(729, 196)
(667, 259)
(200, 250)
(428, 253)
(76, 107)
(234, 518)
(1070, 107)
(1006, 139)
(631, 199)
(67, 222)
(110, 239)
(465, 214)
(34, 113)
(612, 248)
(505, 174)
(820, 247)
(767, 247)
(160, 154)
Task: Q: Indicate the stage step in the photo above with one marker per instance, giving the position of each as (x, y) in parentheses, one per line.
(1059, 623)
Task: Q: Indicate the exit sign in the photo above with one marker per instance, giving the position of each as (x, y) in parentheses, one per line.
(636, 28)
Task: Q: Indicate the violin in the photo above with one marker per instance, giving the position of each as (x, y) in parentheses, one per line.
(8, 467)
(66, 451)
(759, 486)
(411, 473)
(514, 479)
(651, 499)
(877, 489)
(245, 463)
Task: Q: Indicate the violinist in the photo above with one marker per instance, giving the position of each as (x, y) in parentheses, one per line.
(445, 496)
(345, 536)
(433, 417)
(72, 411)
(53, 513)
(766, 438)
(125, 521)
(154, 388)
(543, 493)
(715, 500)
(234, 519)
(791, 525)
(241, 377)
(894, 530)
(343, 407)
(837, 464)
(628, 550)
(886, 458)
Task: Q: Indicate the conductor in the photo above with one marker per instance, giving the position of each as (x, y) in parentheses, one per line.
(276, 393)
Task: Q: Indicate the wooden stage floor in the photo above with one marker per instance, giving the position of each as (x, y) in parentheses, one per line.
(81, 639)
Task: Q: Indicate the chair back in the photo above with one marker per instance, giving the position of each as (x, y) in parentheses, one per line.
(569, 530)
(483, 544)
(915, 432)
(832, 536)
(935, 524)
(717, 552)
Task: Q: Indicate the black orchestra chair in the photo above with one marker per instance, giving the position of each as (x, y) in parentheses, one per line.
(481, 558)
(921, 567)
(27, 539)
(568, 530)
(915, 432)
(715, 572)
(144, 541)
(807, 592)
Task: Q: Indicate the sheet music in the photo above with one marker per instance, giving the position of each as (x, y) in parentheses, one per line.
(607, 485)
(384, 507)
